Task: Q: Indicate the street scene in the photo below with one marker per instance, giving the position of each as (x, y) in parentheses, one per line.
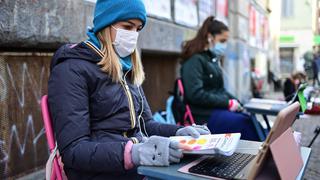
(105, 89)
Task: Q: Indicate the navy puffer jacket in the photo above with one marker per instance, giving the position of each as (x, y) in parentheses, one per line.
(91, 115)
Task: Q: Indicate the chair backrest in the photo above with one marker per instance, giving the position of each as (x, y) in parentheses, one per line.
(56, 173)
(184, 110)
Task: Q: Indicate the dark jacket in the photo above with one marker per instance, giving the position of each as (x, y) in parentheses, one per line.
(203, 83)
(289, 89)
(91, 116)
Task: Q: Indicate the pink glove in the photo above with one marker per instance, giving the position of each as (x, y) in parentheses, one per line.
(234, 105)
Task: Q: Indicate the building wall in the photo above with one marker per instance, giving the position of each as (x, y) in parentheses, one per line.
(274, 23)
(237, 66)
(160, 77)
(241, 50)
(23, 81)
(30, 31)
(300, 28)
(302, 16)
(44, 24)
(160, 45)
(316, 17)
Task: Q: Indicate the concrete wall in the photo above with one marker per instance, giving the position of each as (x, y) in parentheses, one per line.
(162, 36)
(46, 24)
(43, 24)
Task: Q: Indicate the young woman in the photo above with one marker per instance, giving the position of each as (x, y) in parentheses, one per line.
(291, 85)
(102, 121)
(202, 78)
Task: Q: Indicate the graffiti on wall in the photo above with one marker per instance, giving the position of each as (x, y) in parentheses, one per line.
(20, 143)
(23, 81)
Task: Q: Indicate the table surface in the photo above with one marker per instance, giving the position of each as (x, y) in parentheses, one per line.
(261, 108)
(171, 172)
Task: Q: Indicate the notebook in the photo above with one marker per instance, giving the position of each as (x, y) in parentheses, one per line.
(224, 144)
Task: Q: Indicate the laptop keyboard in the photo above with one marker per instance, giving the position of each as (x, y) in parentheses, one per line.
(226, 167)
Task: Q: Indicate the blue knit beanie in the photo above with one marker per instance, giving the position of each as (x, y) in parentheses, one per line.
(108, 12)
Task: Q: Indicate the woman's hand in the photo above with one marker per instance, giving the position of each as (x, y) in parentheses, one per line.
(156, 151)
(234, 105)
(194, 131)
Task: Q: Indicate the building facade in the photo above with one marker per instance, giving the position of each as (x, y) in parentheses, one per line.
(297, 34)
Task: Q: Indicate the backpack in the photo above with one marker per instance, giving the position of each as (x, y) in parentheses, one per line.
(180, 109)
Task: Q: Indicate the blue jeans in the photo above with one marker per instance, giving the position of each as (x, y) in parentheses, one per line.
(224, 121)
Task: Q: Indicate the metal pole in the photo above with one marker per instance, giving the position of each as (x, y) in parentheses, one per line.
(317, 132)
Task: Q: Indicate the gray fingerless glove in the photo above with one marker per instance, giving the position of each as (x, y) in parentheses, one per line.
(194, 131)
(156, 151)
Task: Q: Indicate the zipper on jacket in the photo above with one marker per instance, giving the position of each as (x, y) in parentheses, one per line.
(130, 101)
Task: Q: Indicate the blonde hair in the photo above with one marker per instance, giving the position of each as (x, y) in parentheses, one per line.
(110, 62)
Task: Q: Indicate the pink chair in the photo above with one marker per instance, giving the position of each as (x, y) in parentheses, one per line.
(188, 110)
(56, 172)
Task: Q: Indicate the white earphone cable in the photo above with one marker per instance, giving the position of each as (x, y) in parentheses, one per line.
(140, 116)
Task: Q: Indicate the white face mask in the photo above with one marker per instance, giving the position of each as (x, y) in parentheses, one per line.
(125, 42)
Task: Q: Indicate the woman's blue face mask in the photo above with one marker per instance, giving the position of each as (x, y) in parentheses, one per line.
(219, 48)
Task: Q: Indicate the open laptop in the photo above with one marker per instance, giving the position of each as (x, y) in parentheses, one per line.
(245, 166)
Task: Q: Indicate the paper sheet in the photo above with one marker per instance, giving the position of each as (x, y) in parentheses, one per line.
(221, 143)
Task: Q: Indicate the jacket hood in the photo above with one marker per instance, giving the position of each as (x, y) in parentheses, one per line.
(79, 51)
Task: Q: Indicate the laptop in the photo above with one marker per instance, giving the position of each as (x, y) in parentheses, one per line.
(240, 165)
